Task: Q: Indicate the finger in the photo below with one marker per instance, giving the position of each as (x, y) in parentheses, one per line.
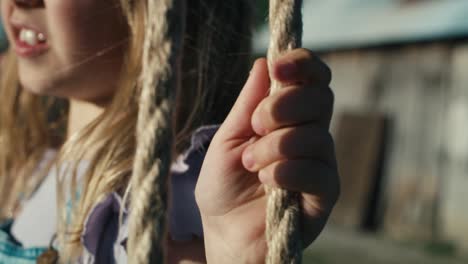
(303, 142)
(301, 66)
(307, 176)
(237, 123)
(292, 106)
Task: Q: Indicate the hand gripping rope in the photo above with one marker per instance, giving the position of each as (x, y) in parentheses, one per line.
(160, 78)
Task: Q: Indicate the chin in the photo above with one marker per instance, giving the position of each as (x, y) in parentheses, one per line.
(35, 84)
(43, 82)
(52, 85)
(34, 78)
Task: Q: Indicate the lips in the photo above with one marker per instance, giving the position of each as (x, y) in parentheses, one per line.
(29, 41)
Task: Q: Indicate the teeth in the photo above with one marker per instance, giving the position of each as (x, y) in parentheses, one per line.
(31, 37)
(28, 36)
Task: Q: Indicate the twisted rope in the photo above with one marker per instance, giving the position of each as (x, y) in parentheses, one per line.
(149, 197)
(283, 208)
(153, 158)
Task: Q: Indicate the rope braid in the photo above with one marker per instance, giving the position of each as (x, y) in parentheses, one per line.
(283, 207)
(165, 22)
(149, 183)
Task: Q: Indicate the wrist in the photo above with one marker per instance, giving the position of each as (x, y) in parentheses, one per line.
(222, 246)
(217, 250)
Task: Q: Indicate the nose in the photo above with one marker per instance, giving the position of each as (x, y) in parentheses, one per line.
(29, 3)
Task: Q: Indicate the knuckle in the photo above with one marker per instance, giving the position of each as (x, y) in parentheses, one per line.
(309, 58)
(328, 139)
(198, 196)
(327, 146)
(329, 98)
(321, 140)
(327, 72)
(306, 53)
(336, 191)
(280, 172)
(316, 141)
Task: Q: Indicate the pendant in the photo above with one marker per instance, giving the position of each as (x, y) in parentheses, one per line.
(50, 256)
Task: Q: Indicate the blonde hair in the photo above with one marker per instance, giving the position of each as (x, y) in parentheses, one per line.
(215, 65)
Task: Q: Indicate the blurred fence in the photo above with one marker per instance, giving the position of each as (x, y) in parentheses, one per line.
(421, 93)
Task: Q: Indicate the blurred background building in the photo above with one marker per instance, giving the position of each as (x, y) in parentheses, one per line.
(401, 127)
(400, 72)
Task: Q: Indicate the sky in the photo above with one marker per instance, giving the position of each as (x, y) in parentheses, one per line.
(356, 23)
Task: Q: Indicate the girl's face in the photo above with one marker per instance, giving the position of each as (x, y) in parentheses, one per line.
(67, 48)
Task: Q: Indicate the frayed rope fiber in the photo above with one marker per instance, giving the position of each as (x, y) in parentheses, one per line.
(283, 207)
(165, 22)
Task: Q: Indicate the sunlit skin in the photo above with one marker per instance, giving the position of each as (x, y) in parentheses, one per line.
(76, 32)
(281, 140)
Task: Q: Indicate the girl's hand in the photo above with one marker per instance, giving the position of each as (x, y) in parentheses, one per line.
(280, 140)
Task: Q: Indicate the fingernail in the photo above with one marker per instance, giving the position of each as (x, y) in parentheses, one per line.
(248, 159)
(287, 70)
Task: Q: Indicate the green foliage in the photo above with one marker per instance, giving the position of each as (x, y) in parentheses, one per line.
(442, 248)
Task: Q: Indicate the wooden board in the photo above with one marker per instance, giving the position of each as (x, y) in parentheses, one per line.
(454, 198)
(423, 89)
(359, 142)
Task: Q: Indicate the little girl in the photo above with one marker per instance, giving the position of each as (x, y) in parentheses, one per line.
(69, 94)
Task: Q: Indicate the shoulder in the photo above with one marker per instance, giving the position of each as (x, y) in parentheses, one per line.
(105, 239)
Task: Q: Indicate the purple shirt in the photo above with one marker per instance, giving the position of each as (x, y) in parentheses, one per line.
(104, 240)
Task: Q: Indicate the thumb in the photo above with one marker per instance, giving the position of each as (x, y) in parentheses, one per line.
(238, 123)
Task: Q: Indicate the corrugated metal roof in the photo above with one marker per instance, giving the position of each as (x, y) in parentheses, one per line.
(335, 24)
